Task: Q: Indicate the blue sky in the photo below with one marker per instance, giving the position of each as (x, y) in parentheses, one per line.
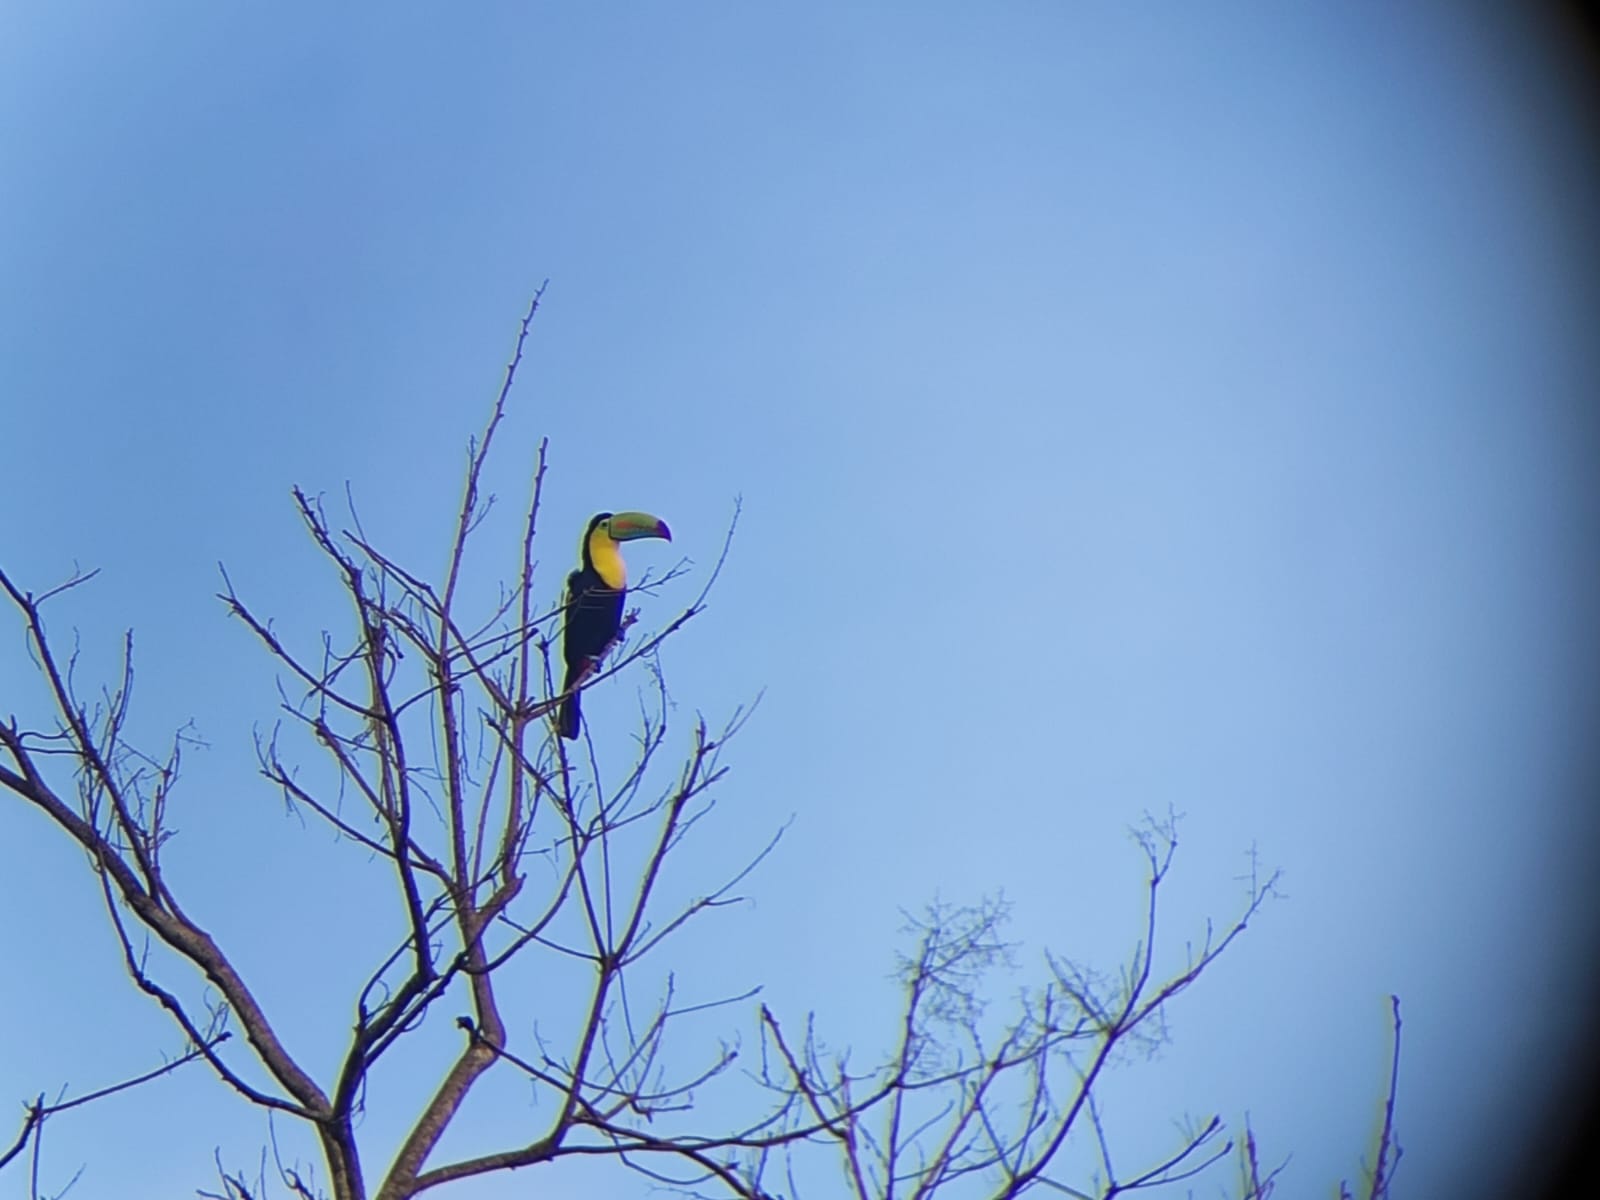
(1131, 408)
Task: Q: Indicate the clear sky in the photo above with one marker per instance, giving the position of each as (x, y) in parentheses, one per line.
(1133, 406)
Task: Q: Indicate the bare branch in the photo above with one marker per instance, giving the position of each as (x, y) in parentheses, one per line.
(37, 1111)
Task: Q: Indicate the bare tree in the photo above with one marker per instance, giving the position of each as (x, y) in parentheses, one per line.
(504, 843)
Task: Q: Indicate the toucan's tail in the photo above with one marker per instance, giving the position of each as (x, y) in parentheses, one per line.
(571, 715)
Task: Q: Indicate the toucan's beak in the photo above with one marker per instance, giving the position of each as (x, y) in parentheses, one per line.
(626, 526)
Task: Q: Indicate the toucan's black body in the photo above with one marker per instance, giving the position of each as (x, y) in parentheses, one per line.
(595, 592)
(594, 615)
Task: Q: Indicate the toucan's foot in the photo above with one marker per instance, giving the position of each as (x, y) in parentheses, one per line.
(621, 634)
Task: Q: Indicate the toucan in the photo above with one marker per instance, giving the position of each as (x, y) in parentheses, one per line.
(594, 600)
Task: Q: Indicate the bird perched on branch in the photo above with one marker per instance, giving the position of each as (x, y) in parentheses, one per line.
(595, 593)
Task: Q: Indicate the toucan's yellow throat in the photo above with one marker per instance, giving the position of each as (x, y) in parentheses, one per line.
(606, 558)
